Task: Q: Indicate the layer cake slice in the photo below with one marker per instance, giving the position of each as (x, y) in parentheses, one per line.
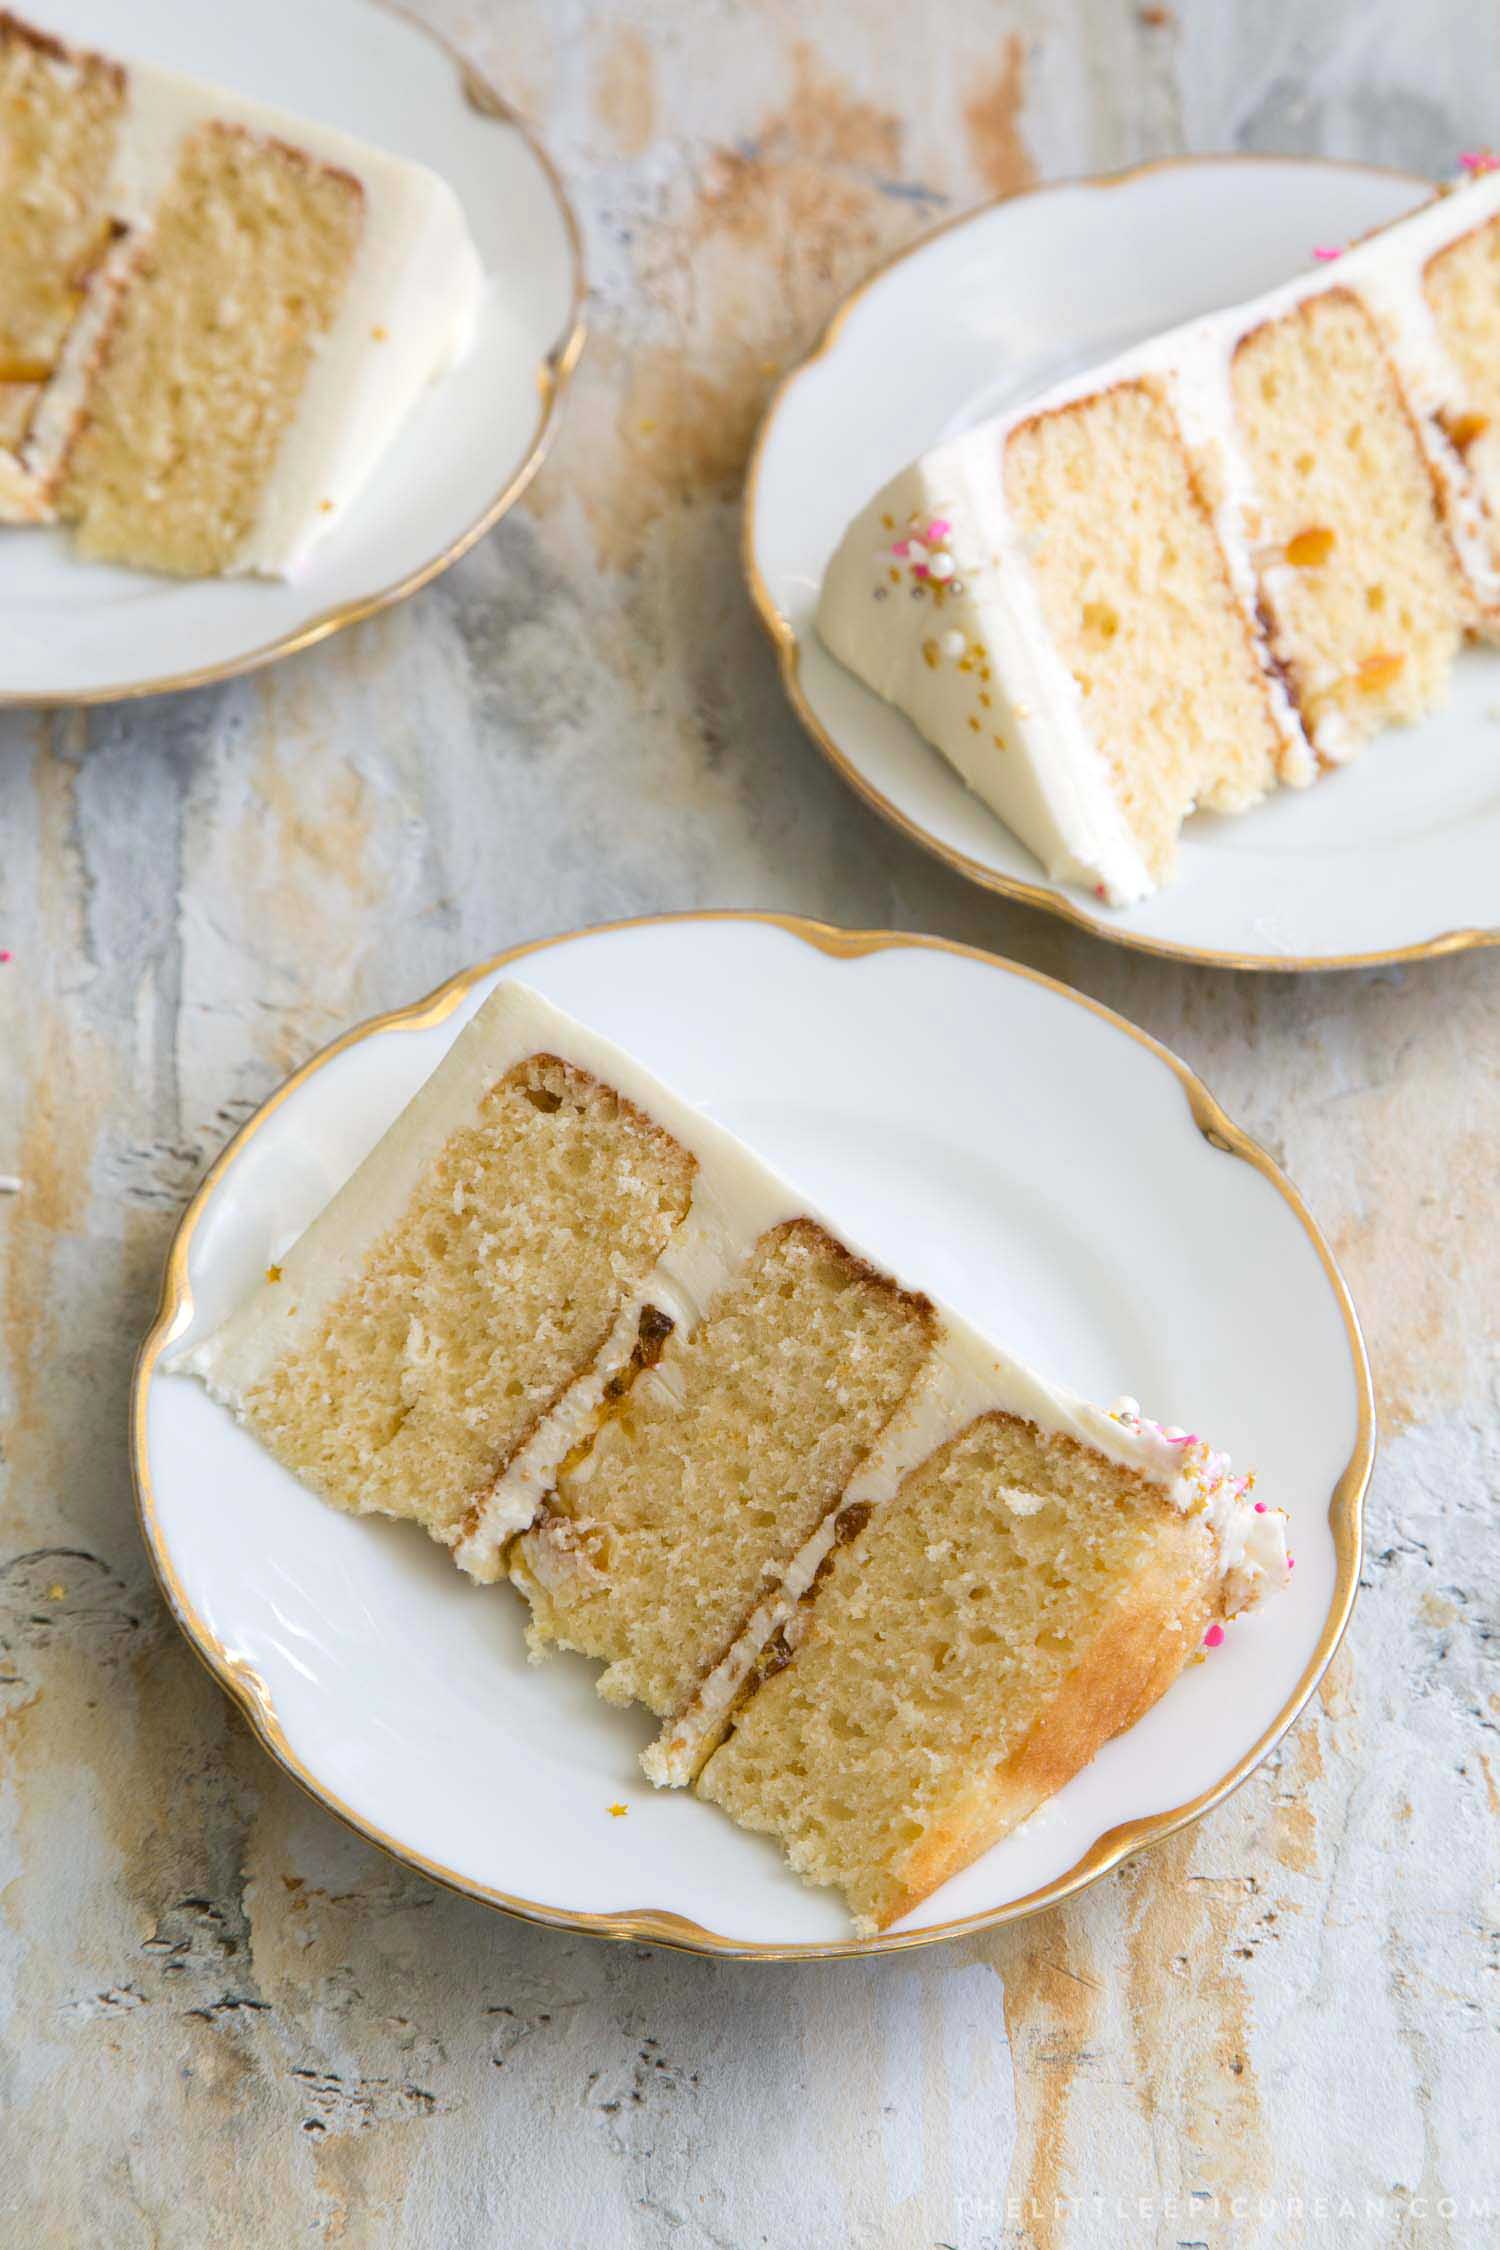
(1207, 569)
(580, 1333)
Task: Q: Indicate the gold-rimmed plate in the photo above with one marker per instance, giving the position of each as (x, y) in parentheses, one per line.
(945, 1106)
(81, 632)
(1393, 858)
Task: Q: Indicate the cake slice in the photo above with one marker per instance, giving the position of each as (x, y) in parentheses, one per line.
(1207, 569)
(582, 1335)
(213, 317)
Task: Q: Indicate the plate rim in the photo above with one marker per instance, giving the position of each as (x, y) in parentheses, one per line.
(554, 373)
(661, 1926)
(1051, 900)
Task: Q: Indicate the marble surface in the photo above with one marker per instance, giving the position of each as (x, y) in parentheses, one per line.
(224, 2018)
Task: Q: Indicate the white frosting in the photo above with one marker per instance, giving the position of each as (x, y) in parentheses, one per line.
(407, 313)
(1044, 775)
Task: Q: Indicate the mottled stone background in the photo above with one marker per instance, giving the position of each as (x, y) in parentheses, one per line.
(226, 2021)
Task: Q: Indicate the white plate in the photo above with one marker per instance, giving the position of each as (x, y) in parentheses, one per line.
(1162, 1255)
(1395, 857)
(80, 632)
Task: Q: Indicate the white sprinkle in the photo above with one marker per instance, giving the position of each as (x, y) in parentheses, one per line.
(952, 644)
(942, 566)
(916, 552)
(1126, 1410)
(10, 1183)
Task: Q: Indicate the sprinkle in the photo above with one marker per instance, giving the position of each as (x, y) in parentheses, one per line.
(942, 566)
(1306, 549)
(617, 1812)
(5, 955)
(952, 644)
(1126, 1409)
(939, 528)
(901, 547)
(882, 593)
(380, 334)
(889, 522)
(1291, 1562)
(973, 724)
(326, 507)
(1100, 891)
(1214, 1636)
(10, 1183)
(273, 1273)
(1326, 253)
(930, 655)
(1260, 1507)
(1463, 429)
(57, 1591)
(1476, 160)
(1377, 671)
(920, 570)
(957, 586)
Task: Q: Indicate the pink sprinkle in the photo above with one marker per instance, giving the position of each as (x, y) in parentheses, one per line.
(1260, 1507)
(4, 955)
(939, 528)
(1100, 891)
(901, 547)
(1213, 1636)
(1291, 1562)
(1323, 253)
(1479, 160)
(920, 570)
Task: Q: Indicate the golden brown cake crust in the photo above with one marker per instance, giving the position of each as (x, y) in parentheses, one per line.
(1157, 1627)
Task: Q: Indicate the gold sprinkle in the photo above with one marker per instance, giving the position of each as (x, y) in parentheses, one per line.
(646, 428)
(984, 672)
(57, 1591)
(889, 522)
(273, 1273)
(999, 741)
(617, 1812)
(895, 576)
(1378, 671)
(966, 664)
(381, 335)
(930, 655)
(326, 506)
(974, 724)
(1306, 549)
(984, 699)
(1463, 429)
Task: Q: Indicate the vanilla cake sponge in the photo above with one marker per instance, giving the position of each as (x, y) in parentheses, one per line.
(1207, 569)
(587, 1339)
(213, 316)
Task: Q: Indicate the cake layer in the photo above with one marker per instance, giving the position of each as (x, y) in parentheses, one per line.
(714, 1461)
(193, 431)
(1037, 597)
(472, 1268)
(1367, 604)
(59, 122)
(963, 1652)
(1127, 567)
